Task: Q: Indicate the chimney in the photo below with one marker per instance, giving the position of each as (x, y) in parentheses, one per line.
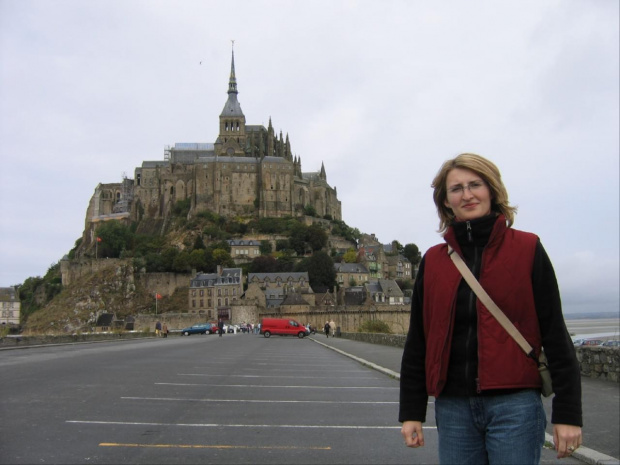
(219, 270)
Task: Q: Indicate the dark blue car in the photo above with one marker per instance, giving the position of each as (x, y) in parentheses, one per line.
(204, 328)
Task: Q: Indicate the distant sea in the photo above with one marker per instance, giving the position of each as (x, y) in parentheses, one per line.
(593, 325)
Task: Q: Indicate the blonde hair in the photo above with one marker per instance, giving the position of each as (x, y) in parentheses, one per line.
(483, 168)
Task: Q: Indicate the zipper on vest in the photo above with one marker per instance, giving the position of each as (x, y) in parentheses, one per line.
(472, 313)
(469, 235)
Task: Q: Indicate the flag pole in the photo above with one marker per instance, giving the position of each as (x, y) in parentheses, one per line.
(155, 303)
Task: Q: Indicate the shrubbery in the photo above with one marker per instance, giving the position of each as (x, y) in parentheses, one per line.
(374, 326)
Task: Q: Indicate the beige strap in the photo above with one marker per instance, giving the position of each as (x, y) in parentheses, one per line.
(488, 302)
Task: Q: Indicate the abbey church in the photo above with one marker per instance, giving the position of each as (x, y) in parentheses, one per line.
(248, 171)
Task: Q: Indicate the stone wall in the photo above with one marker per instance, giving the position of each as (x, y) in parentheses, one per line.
(72, 270)
(595, 362)
(164, 283)
(348, 318)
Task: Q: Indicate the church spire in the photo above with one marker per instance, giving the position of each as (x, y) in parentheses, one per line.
(232, 82)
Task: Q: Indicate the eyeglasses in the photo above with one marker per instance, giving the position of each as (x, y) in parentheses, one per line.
(472, 187)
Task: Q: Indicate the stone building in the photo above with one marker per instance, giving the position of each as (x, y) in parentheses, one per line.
(374, 259)
(212, 294)
(243, 250)
(351, 274)
(399, 267)
(248, 171)
(270, 290)
(10, 306)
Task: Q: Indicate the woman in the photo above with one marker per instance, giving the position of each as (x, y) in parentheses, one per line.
(488, 407)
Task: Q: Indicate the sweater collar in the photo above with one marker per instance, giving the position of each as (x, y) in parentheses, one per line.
(478, 232)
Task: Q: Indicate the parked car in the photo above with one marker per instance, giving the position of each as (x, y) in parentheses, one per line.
(578, 342)
(204, 328)
(611, 344)
(592, 342)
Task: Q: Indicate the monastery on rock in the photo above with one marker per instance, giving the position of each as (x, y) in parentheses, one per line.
(247, 172)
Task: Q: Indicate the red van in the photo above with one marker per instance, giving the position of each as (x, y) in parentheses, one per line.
(282, 327)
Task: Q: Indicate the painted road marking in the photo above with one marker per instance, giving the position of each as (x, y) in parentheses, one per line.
(271, 387)
(220, 425)
(180, 399)
(277, 376)
(219, 446)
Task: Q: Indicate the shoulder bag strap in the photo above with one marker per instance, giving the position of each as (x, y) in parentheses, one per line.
(489, 304)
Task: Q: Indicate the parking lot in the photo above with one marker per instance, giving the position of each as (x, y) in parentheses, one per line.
(240, 398)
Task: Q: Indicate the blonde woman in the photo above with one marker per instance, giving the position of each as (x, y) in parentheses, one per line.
(488, 406)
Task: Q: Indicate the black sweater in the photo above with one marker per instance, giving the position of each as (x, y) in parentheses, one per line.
(463, 364)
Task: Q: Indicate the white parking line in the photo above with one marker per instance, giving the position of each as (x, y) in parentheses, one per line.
(283, 387)
(180, 399)
(277, 376)
(222, 425)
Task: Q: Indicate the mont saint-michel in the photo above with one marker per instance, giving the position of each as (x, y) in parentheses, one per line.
(232, 229)
(248, 170)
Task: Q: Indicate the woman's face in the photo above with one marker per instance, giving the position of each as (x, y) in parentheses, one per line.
(468, 195)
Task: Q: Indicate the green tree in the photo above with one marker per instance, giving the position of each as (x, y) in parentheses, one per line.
(321, 272)
(198, 259)
(265, 247)
(316, 237)
(198, 243)
(222, 257)
(412, 253)
(309, 210)
(115, 237)
(298, 237)
(397, 247)
(181, 263)
(350, 256)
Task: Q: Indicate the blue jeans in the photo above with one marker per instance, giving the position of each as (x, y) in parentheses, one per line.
(503, 429)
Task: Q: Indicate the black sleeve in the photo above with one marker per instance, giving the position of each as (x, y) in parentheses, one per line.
(557, 343)
(413, 396)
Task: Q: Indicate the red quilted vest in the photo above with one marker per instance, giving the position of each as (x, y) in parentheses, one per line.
(506, 275)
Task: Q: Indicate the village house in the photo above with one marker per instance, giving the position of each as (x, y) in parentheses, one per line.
(399, 267)
(243, 251)
(10, 305)
(212, 294)
(269, 290)
(374, 259)
(351, 274)
(385, 291)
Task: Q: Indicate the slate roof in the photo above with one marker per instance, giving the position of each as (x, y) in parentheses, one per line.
(354, 295)
(241, 242)
(294, 299)
(284, 276)
(350, 268)
(228, 276)
(9, 294)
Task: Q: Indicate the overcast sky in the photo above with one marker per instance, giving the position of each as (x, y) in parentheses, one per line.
(381, 92)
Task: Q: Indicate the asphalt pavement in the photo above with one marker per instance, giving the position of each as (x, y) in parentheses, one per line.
(600, 398)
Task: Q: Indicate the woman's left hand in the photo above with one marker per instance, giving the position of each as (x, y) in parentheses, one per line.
(567, 438)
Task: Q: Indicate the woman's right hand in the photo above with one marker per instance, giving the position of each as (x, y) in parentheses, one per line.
(412, 432)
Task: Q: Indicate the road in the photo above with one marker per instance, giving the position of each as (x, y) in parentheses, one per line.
(199, 399)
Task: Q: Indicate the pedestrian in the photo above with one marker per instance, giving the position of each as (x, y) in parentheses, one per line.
(220, 327)
(158, 328)
(326, 328)
(488, 406)
(249, 328)
(165, 330)
(332, 325)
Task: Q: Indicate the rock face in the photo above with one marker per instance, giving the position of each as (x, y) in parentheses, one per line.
(92, 287)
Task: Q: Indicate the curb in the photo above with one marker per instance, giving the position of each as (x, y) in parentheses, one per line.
(584, 454)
